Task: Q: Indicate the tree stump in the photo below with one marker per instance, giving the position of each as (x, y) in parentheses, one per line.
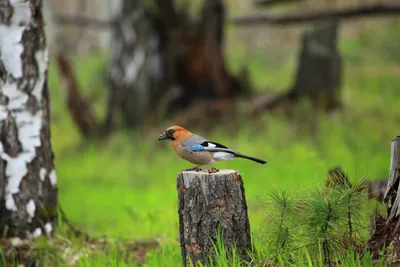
(208, 202)
(392, 196)
(318, 75)
(319, 72)
(384, 232)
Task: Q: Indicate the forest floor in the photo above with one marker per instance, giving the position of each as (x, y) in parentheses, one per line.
(125, 188)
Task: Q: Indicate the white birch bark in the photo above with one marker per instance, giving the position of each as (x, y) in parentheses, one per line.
(136, 68)
(28, 187)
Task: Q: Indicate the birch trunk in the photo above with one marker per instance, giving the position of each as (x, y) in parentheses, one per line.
(136, 63)
(28, 189)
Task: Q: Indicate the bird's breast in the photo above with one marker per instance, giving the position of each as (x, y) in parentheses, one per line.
(196, 157)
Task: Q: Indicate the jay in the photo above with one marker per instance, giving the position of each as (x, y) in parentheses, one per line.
(198, 150)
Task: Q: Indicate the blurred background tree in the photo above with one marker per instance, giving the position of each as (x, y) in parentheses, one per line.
(168, 56)
(162, 61)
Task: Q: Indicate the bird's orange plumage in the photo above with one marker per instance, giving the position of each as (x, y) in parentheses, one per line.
(180, 135)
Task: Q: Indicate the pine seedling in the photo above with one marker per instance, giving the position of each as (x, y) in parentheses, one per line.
(323, 216)
(282, 206)
(354, 195)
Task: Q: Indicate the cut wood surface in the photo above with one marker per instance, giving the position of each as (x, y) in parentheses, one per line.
(208, 202)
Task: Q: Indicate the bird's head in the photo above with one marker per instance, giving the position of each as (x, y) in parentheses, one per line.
(174, 134)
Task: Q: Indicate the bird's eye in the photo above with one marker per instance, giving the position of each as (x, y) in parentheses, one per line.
(171, 131)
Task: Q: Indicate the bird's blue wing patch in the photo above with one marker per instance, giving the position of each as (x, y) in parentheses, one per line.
(194, 148)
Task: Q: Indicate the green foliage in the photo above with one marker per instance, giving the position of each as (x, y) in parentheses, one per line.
(280, 220)
(326, 222)
(222, 256)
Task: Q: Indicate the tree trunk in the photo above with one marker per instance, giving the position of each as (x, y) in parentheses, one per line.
(207, 203)
(163, 61)
(136, 63)
(383, 231)
(28, 189)
(79, 107)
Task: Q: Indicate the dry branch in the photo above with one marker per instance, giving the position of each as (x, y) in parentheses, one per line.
(82, 21)
(376, 9)
(77, 104)
(265, 3)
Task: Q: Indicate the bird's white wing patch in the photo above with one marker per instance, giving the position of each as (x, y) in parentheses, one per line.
(211, 144)
(222, 156)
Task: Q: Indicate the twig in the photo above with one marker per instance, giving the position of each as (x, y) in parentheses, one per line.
(82, 21)
(78, 106)
(391, 8)
(265, 3)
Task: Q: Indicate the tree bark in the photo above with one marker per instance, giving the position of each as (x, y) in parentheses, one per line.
(392, 194)
(384, 232)
(136, 64)
(28, 188)
(206, 202)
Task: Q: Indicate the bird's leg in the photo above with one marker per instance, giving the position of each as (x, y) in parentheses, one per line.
(195, 168)
(213, 170)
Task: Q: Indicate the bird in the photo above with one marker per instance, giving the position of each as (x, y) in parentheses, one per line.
(198, 150)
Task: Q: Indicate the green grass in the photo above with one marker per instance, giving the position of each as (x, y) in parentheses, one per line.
(126, 186)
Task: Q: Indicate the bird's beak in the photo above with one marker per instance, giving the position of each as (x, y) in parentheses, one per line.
(162, 137)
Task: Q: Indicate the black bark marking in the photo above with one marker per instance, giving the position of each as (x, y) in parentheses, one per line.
(32, 105)
(6, 12)
(30, 69)
(9, 134)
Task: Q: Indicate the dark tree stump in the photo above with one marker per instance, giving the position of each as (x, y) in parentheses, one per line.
(392, 196)
(319, 72)
(383, 231)
(208, 202)
(318, 76)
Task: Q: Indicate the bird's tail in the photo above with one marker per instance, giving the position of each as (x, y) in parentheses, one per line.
(250, 158)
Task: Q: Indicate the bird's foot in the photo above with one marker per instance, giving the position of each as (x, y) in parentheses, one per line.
(213, 170)
(195, 168)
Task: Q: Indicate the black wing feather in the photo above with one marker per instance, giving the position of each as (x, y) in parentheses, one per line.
(217, 145)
